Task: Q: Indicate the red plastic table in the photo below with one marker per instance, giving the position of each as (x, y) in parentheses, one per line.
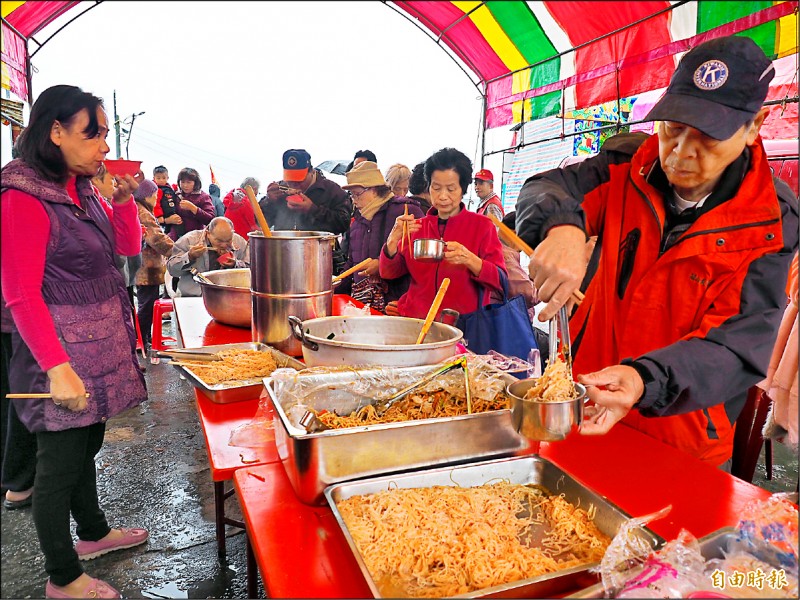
(197, 328)
(301, 551)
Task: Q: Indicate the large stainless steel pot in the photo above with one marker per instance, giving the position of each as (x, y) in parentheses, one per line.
(373, 340)
(291, 274)
(227, 297)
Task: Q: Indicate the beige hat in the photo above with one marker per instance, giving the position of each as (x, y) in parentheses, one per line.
(365, 174)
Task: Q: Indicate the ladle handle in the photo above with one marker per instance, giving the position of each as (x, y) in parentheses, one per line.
(262, 221)
(437, 302)
(352, 269)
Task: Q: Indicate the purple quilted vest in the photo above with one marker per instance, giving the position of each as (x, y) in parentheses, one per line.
(89, 304)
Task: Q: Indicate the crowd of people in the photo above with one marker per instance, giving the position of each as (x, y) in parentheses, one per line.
(680, 243)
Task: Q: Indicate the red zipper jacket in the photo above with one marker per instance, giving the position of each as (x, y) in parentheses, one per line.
(466, 293)
(697, 321)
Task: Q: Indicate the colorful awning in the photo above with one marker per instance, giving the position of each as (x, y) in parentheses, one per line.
(535, 59)
(22, 20)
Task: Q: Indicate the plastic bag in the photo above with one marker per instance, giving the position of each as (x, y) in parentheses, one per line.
(351, 310)
(260, 430)
(767, 529)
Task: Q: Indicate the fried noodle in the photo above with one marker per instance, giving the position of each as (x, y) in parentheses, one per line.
(554, 385)
(420, 405)
(443, 541)
(236, 365)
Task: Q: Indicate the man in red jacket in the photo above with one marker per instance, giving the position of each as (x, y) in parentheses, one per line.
(684, 295)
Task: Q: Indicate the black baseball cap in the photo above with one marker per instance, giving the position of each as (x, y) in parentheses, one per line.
(718, 86)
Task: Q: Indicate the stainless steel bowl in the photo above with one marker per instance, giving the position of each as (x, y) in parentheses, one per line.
(429, 249)
(227, 297)
(544, 421)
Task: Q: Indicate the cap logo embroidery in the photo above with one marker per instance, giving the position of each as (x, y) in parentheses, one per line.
(292, 161)
(711, 75)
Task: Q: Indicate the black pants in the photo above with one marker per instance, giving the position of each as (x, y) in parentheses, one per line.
(146, 296)
(18, 444)
(66, 482)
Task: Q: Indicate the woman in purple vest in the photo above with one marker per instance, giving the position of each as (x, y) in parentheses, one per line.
(74, 337)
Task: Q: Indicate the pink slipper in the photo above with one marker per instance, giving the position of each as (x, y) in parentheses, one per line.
(130, 538)
(96, 589)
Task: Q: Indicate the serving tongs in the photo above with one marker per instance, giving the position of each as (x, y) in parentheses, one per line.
(461, 362)
(200, 276)
(188, 355)
(559, 327)
(311, 423)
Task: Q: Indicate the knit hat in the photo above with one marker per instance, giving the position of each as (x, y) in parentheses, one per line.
(718, 86)
(365, 174)
(146, 189)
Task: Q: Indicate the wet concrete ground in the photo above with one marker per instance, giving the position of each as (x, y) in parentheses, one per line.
(153, 472)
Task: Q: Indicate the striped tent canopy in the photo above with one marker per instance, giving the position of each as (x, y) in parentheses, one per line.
(21, 21)
(537, 59)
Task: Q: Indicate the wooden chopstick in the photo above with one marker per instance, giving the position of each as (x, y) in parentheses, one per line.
(437, 301)
(262, 220)
(512, 239)
(352, 269)
(406, 232)
(30, 396)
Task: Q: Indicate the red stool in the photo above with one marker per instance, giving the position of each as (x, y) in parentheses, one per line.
(160, 307)
(139, 342)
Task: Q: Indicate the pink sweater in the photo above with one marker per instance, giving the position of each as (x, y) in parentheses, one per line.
(25, 228)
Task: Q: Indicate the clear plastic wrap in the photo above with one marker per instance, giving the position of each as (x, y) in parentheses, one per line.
(368, 388)
(260, 430)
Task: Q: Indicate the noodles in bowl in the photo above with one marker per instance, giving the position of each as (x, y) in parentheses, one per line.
(554, 385)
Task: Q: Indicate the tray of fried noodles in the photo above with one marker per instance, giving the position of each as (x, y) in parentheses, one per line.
(239, 375)
(433, 425)
(514, 527)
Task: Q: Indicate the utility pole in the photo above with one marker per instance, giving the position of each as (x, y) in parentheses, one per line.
(116, 125)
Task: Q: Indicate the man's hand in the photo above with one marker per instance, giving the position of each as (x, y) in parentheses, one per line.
(557, 267)
(66, 387)
(299, 202)
(197, 251)
(173, 220)
(274, 192)
(614, 390)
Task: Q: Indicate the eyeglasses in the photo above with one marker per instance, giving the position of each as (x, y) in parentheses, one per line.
(357, 195)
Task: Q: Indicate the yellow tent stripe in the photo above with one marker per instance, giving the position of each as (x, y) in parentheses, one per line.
(786, 35)
(500, 42)
(7, 8)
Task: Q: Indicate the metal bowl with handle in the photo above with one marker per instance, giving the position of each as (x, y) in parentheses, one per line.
(373, 340)
(226, 295)
(429, 249)
(544, 421)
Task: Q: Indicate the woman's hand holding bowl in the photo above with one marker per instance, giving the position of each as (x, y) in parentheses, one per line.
(458, 254)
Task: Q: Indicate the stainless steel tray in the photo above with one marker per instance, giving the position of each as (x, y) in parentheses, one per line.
(248, 389)
(316, 460)
(711, 546)
(525, 470)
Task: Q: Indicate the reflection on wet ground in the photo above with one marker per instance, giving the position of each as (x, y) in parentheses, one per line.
(153, 472)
